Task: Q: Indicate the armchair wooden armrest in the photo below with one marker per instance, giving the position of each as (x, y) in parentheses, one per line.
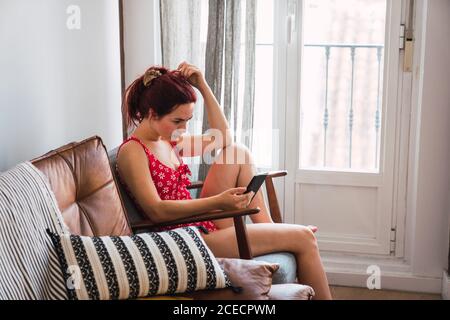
(239, 224)
(213, 215)
(272, 195)
(195, 185)
(271, 174)
(277, 174)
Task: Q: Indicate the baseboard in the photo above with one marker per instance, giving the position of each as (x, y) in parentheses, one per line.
(399, 282)
(446, 286)
(355, 271)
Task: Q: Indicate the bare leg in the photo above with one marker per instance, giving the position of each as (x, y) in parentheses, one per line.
(234, 167)
(299, 240)
(229, 173)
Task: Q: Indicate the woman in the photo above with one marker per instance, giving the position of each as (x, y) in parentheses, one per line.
(160, 103)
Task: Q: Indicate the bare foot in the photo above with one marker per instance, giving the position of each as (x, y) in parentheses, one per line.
(313, 228)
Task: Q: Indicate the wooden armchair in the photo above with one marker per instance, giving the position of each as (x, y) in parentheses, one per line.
(287, 272)
(139, 222)
(245, 251)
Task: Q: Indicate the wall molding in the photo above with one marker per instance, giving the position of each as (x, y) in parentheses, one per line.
(396, 274)
(446, 286)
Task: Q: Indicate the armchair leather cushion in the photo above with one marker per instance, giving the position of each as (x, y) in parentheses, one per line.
(142, 265)
(287, 273)
(133, 213)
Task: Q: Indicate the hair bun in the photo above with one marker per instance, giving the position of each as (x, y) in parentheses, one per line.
(152, 74)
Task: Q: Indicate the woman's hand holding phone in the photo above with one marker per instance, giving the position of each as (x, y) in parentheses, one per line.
(234, 199)
(256, 183)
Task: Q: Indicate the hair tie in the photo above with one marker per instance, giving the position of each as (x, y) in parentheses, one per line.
(151, 75)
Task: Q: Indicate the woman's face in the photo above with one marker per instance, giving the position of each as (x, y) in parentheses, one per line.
(176, 120)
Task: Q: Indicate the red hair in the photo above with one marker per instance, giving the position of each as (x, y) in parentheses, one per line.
(163, 95)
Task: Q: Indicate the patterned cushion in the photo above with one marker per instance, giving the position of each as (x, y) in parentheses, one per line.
(142, 265)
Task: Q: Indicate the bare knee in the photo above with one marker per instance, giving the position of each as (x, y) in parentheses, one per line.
(235, 153)
(306, 241)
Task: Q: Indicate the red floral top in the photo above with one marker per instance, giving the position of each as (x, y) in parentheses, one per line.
(171, 184)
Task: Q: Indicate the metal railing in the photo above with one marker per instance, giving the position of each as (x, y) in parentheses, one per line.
(352, 48)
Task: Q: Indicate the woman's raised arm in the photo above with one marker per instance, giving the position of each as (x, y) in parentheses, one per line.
(220, 135)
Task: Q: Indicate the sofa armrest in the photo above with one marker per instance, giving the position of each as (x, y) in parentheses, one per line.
(291, 291)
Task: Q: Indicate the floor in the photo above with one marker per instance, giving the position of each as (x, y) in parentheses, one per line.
(348, 293)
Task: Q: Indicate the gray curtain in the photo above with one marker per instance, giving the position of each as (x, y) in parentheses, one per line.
(180, 41)
(180, 30)
(249, 93)
(224, 43)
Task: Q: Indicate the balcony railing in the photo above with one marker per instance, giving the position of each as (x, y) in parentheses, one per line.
(352, 49)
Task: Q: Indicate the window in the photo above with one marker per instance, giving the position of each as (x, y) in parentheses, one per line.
(342, 81)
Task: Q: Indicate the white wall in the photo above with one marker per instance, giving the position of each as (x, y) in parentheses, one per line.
(142, 37)
(57, 85)
(430, 169)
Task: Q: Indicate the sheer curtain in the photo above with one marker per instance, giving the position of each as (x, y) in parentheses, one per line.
(180, 32)
(228, 62)
(180, 41)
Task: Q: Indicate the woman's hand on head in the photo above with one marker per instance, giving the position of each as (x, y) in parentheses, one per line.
(234, 199)
(193, 74)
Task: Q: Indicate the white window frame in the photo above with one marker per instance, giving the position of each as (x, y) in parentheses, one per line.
(399, 271)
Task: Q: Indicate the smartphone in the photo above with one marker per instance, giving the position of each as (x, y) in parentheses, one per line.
(256, 183)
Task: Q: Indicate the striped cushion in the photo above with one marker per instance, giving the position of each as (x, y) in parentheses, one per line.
(142, 265)
(29, 266)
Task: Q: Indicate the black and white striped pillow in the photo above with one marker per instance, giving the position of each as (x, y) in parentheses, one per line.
(148, 264)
